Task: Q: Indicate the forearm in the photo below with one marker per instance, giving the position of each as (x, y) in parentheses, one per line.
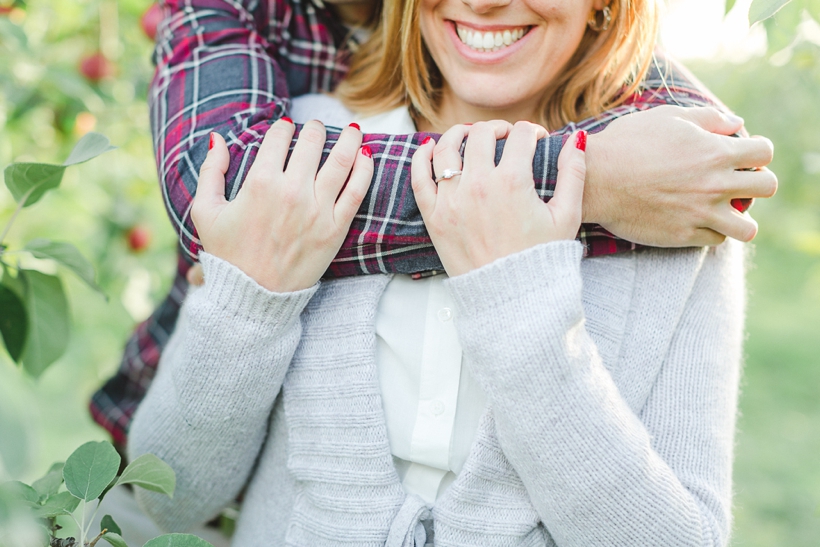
(597, 473)
(207, 410)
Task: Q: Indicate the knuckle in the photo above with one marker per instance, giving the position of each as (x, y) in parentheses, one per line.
(576, 169)
(289, 195)
(355, 194)
(342, 159)
(206, 168)
(313, 132)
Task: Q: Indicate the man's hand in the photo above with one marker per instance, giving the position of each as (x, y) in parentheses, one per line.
(666, 177)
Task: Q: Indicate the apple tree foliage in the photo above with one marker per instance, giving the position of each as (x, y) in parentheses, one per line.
(780, 18)
(34, 314)
(69, 488)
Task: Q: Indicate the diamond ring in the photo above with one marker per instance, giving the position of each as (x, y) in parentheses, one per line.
(448, 174)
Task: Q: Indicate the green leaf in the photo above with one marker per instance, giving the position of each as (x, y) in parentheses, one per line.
(90, 469)
(151, 473)
(50, 483)
(20, 491)
(107, 523)
(59, 504)
(729, 5)
(32, 180)
(13, 322)
(66, 254)
(89, 147)
(48, 321)
(763, 9)
(781, 30)
(14, 283)
(115, 539)
(177, 540)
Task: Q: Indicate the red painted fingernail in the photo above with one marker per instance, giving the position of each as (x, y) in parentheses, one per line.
(741, 204)
(367, 151)
(426, 140)
(287, 119)
(211, 142)
(468, 124)
(354, 125)
(581, 141)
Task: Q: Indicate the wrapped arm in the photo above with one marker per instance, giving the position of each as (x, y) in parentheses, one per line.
(228, 66)
(597, 472)
(208, 407)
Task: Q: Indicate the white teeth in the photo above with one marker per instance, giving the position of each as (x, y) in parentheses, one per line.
(489, 41)
(478, 41)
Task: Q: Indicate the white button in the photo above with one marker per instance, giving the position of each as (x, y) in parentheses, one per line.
(445, 314)
(438, 408)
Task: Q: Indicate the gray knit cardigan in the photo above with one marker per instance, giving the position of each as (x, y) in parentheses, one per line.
(612, 385)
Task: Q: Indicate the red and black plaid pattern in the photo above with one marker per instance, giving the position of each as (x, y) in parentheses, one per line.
(230, 66)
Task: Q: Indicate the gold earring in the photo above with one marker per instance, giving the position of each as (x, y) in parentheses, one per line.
(593, 20)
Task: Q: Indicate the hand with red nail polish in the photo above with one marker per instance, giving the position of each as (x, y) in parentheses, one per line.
(490, 211)
(286, 223)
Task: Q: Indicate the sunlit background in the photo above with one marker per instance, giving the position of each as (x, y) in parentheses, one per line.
(112, 209)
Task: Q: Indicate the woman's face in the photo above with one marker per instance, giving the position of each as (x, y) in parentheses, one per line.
(498, 57)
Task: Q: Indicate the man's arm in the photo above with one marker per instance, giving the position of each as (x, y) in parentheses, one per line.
(226, 66)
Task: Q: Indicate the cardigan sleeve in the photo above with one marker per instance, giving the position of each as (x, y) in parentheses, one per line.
(598, 473)
(207, 410)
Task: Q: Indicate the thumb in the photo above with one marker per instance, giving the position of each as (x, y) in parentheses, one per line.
(713, 120)
(567, 200)
(210, 191)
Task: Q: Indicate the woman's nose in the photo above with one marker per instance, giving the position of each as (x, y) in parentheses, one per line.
(485, 6)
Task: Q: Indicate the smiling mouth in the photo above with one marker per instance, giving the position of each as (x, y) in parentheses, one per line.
(490, 40)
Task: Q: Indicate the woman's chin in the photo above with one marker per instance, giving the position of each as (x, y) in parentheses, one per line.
(494, 105)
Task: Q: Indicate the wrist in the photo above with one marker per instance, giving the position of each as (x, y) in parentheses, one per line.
(594, 200)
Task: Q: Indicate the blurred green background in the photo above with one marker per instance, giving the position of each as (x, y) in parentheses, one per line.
(47, 103)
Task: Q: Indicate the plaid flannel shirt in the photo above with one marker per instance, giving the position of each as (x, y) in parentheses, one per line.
(230, 66)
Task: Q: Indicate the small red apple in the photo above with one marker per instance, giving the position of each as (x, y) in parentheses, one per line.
(150, 20)
(95, 67)
(139, 237)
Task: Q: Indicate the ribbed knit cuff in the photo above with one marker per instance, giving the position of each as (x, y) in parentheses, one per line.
(554, 265)
(232, 290)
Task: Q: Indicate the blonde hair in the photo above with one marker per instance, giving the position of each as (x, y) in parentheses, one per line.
(394, 68)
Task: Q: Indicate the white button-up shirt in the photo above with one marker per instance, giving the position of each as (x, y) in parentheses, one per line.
(431, 402)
